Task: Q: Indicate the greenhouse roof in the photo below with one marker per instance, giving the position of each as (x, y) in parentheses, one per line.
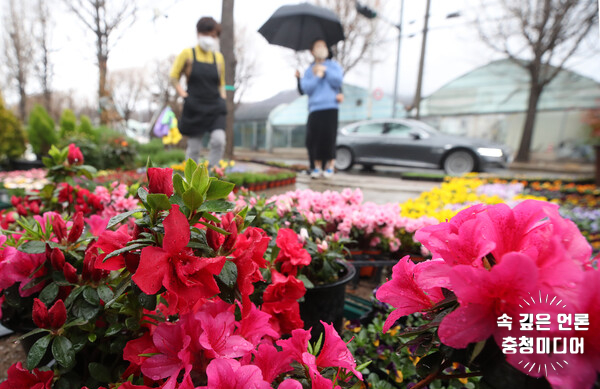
(503, 86)
(354, 108)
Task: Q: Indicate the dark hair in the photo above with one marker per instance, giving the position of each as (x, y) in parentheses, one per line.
(208, 24)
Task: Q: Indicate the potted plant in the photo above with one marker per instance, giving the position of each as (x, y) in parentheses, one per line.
(166, 303)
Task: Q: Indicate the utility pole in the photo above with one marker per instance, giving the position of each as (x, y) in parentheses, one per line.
(417, 101)
(399, 27)
(371, 14)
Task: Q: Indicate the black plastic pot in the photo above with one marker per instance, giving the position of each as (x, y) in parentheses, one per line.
(326, 303)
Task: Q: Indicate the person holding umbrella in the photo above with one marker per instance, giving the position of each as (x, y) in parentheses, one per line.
(204, 106)
(322, 82)
(307, 26)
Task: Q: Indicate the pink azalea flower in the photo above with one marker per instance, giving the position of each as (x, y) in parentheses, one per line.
(255, 326)
(218, 339)
(296, 345)
(335, 352)
(271, 362)
(486, 295)
(290, 384)
(97, 224)
(230, 374)
(405, 294)
(172, 344)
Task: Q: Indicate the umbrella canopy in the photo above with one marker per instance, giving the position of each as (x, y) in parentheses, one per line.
(298, 26)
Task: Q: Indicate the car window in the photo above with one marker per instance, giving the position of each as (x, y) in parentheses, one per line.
(369, 129)
(397, 130)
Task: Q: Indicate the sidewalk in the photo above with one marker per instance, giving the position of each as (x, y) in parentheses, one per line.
(542, 169)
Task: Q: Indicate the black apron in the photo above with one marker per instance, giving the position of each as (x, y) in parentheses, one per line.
(204, 109)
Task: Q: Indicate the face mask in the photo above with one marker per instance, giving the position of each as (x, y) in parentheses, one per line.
(207, 43)
(320, 53)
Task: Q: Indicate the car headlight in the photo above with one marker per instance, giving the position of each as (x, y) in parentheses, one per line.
(490, 152)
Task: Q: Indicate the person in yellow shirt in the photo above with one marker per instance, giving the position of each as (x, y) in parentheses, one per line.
(204, 107)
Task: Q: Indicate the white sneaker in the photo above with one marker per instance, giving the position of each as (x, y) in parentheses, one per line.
(316, 173)
(328, 173)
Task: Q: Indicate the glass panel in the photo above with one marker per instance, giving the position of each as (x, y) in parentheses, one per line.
(369, 129)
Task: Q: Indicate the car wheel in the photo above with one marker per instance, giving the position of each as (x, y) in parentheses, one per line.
(459, 162)
(343, 158)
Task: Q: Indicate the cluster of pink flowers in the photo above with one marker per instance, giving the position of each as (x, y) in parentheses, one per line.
(115, 200)
(495, 259)
(347, 216)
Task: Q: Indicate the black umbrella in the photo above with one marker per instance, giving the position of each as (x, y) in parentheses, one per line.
(298, 26)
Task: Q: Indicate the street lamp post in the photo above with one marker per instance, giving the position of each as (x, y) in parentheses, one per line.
(371, 14)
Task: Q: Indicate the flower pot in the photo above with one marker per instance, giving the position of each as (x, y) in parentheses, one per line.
(368, 271)
(326, 303)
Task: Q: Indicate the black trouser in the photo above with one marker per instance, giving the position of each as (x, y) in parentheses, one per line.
(321, 135)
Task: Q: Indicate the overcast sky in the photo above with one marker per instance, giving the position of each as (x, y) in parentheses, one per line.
(164, 28)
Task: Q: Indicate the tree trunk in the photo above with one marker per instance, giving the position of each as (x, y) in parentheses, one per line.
(22, 102)
(102, 92)
(228, 50)
(527, 136)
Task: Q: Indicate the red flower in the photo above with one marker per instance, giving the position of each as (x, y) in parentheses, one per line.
(291, 252)
(59, 228)
(283, 288)
(90, 272)
(175, 266)
(75, 157)
(286, 315)
(160, 180)
(224, 242)
(21, 378)
(52, 318)
(76, 228)
(57, 259)
(335, 352)
(65, 195)
(110, 241)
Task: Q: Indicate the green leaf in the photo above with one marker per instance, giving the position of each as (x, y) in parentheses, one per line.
(120, 217)
(120, 290)
(73, 295)
(143, 194)
(33, 247)
(47, 161)
(99, 372)
(190, 168)
(37, 352)
(49, 293)
(132, 323)
(114, 329)
(159, 201)
(220, 206)
(229, 274)
(147, 301)
(219, 189)
(125, 249)
(149, 163)
(105, 293)
(317, 347)
(92, 337)
(178, 184)
(91, 296)
(209, 217)
(85, 310)
(88, 168)
(192, 199)
(63, 352)
(307, 283)
(33, 332)
(214, 228)
(477, 350)
(429, 364)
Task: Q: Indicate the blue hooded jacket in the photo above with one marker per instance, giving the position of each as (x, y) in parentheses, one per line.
(322, 91)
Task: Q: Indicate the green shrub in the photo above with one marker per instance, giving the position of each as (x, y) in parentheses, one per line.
(85, 126)
(68, 123)
(160, 156)
(41, 131)
(12, 136)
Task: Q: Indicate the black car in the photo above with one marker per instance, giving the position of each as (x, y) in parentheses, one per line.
(406, 142)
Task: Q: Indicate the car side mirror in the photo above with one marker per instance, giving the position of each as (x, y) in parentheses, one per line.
(416, 135)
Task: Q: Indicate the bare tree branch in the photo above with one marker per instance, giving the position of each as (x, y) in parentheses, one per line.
(549, 33)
